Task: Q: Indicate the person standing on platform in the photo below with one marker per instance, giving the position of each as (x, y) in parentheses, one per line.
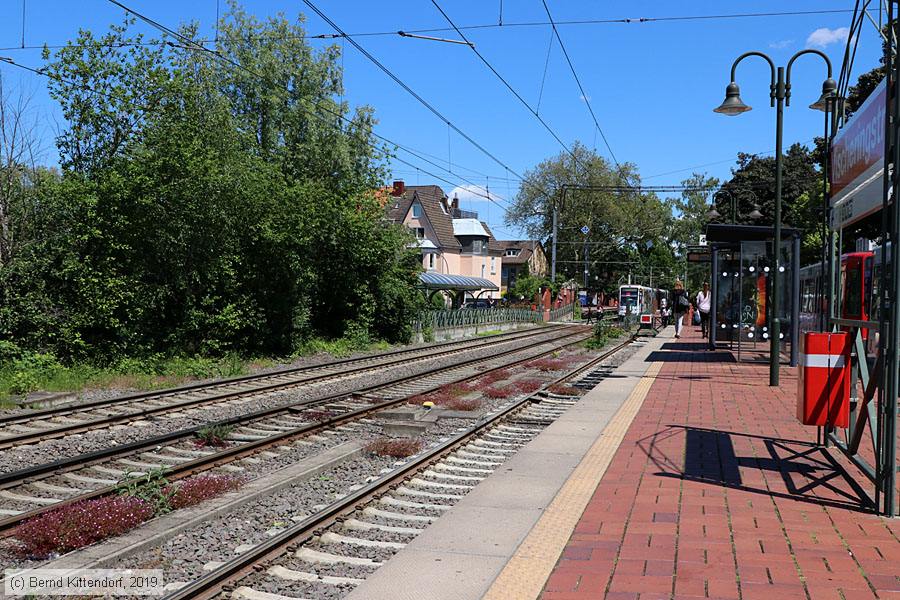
(680, 305)
(704, 302)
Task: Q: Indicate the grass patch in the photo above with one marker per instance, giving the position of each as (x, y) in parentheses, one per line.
(395, 447)
(489, 332)
(23, 372)
(340, 348)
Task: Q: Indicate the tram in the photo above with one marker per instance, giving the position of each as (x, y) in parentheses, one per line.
(860, 276)
(636, 300)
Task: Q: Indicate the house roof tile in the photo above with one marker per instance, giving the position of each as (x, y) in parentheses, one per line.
(430, 197)
(525, 247)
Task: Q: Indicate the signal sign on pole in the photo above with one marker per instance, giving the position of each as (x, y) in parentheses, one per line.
(585, 229)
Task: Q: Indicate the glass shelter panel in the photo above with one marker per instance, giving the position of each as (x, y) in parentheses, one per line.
(743, 315)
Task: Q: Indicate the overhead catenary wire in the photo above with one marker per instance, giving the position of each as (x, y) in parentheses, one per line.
(584, 95)
(475, 189)
(407, 88)
(510, 25)
(505, 83)
(422, 100)
(191, 44)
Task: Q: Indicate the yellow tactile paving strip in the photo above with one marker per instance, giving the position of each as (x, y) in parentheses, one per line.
(524, 575)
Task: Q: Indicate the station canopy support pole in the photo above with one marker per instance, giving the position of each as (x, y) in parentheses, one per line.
(876, 410)
(888, 406)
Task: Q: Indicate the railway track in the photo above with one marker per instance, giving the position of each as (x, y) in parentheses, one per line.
(351, 537)
(32, 491)
(53, 423)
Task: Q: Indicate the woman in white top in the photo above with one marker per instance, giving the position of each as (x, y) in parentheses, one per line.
(704, 302)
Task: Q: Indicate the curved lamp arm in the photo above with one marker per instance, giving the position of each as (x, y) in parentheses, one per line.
(771, 66)
(787, 86)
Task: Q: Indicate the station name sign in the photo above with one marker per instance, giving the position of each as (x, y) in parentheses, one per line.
(857, 161)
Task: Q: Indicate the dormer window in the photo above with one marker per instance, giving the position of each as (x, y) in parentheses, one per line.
(512, 252)
(416, 210)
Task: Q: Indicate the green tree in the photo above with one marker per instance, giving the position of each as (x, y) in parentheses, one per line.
(589, 192)
(204, 208)
(753, 184)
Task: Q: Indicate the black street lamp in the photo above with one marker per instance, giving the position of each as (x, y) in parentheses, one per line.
(779, 96)
(714, 214)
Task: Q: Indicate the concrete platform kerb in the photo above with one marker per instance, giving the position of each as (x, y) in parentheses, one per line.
(461, 555)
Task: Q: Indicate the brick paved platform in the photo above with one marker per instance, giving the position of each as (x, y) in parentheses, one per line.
(717, 492)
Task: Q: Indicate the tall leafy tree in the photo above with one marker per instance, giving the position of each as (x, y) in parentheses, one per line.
(623, 222)
(206, 207)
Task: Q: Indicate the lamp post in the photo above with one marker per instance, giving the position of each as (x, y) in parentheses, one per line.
(714, 214)
(779, 97)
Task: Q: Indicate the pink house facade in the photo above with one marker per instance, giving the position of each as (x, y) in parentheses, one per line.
(452, 241)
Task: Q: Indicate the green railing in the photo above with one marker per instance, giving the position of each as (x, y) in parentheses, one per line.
(563, 313)
(472, 317)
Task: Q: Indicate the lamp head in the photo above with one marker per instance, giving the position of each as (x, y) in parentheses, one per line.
(713, 214)
(755, 214)
(732, 105)
(828, 88)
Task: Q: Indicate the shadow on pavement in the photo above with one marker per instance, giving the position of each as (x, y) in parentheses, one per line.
(809, 472)
(693, 355)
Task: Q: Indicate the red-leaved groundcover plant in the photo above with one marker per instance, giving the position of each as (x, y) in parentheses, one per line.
(203, 487)
(395, 447)
(90, 521)
(81, 524)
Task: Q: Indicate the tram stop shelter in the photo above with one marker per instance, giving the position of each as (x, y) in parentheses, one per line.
(455, 285)
(741, 272)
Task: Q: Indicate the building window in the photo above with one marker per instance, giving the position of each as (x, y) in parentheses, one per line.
(476, 246)
(482, 270)
(493, 265)
(431, 261)
(512, 252)
(416, 210)
(419, 231)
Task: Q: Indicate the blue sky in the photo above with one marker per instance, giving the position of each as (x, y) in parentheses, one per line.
(652, 85)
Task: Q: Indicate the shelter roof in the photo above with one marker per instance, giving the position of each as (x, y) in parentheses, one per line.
(441, 281)
(725, 232)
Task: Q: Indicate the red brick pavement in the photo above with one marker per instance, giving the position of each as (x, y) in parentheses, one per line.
(717, 492)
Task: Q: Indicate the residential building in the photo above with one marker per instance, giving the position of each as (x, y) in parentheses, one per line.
(520, 256)
(452, 241)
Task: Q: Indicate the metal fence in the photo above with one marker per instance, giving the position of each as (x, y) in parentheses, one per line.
(563, 313)
(473, 317)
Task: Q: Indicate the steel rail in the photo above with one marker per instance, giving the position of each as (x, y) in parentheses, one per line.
(289, 540)
(198, 465)
(22, 417)
(99, 423)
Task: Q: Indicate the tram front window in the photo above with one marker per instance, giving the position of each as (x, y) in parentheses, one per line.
(629, 299)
